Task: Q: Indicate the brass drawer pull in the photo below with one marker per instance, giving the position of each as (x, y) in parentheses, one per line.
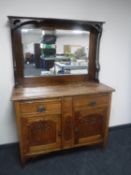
(41, 109)
(92, 103)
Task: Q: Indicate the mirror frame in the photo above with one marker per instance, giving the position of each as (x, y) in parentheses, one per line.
(95, 29)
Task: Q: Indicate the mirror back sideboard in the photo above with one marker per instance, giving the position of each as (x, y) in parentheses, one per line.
(63, 110)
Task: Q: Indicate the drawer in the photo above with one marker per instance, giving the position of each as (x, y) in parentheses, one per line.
(45, 106)
(91, 101)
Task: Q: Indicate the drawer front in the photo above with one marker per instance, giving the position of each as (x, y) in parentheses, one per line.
(90, 101)
(44, 107)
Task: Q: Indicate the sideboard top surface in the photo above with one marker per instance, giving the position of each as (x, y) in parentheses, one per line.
(32, 93)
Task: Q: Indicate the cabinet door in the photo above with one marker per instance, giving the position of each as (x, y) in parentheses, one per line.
(41, 133)
(90, 125)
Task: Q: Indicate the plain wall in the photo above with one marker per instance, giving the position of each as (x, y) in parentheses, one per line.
(115, 51)
(72, 40)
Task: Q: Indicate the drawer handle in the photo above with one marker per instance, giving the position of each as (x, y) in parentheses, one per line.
(92, 103)
(41, 109)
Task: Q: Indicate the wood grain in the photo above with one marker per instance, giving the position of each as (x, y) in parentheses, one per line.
(31, 93)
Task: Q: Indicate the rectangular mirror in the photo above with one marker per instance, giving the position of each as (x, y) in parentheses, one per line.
(55, 52)
(51, 51)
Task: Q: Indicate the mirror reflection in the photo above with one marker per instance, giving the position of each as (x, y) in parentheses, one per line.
(55, 52)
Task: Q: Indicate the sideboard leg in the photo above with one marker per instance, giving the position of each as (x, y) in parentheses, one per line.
(23, 161)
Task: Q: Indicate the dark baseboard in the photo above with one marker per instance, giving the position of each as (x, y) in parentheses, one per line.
(124, 126)
(112, 128)
(6, 145)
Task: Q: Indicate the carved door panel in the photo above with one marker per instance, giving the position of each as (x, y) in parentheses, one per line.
(41, 133)
(90, 125)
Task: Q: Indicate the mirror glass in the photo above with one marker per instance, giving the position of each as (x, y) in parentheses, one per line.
(55, 52)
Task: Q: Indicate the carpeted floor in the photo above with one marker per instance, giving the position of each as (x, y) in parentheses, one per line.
(114, 160)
